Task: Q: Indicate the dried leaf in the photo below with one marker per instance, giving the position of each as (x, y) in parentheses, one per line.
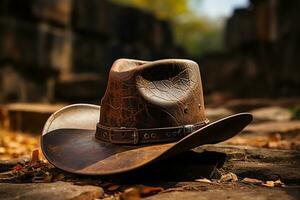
(113, 188)
(148, 191)
(269, 184)
(34, 157)
(230, 177)
(18, 167)
(252, 181)
(203, 180)
(277, 183)
(131, 194)
(14, 145)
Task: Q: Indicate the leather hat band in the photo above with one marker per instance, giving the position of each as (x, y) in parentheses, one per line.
(125, 135)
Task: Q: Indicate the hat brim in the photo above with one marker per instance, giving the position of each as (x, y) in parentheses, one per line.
(68, 142)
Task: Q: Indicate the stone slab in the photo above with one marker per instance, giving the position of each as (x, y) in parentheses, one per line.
(214, 114)
(102, 18)
(274, 127)
(247, 194)
(179, 175)
(212, 161)
(270, 134)
(16, 86)
(47, 191)
(272, 113)
(58, 11)
(55, 11)
(92, 54)
(26, 117)
(245, 105)
(85, 87)
(259, 163)
(34, 45)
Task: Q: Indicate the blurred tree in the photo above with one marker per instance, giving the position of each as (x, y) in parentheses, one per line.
(196, 34)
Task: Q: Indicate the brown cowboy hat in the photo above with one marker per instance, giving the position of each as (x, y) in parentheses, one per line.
(150, 111)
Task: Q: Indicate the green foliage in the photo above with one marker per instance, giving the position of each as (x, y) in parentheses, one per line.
(163, 9)
(196, 34)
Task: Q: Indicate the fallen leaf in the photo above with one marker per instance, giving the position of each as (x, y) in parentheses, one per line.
(269, 184)
(18, 167)
(113, 188)
(34, 157)
(277, 183)
(252, 181)
(131, 194)
(203, 180)
(230, 177)
(14, 145)
(148, 191)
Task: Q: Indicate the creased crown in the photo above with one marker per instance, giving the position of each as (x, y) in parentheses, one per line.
(143, 94)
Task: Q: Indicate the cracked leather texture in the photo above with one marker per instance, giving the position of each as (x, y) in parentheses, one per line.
(156, 94)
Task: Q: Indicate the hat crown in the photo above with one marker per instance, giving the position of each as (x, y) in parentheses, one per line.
(163, 93)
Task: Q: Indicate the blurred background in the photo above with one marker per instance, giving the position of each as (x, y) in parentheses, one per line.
(62, 50)
(57, 52)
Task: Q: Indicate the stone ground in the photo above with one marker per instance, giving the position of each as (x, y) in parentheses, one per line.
(262, 163)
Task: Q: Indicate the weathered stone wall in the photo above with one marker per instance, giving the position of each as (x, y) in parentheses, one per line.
(57, 45)
(263, 51)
